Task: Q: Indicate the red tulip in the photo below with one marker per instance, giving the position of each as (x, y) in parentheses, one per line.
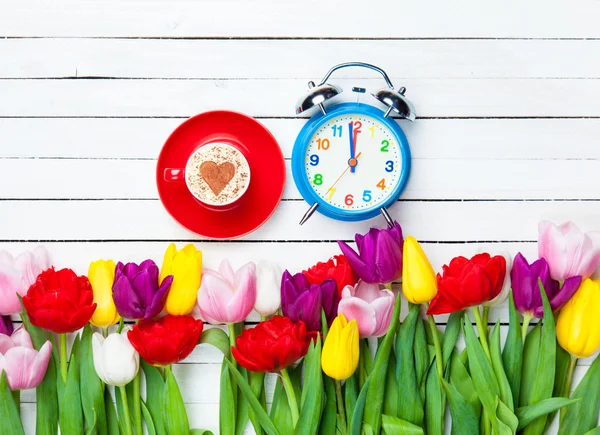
(167, 340)
(337, 268)
(272, 345)
(466, 283)
(60, 301)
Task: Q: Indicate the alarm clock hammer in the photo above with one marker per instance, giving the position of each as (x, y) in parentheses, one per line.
(367, 185)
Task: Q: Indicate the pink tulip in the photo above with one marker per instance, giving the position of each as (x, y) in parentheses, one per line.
(568, 251)
(225, 296)
(371, 307)
(17, 275)
(24, 366)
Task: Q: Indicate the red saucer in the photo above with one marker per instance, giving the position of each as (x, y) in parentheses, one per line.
(267, 170)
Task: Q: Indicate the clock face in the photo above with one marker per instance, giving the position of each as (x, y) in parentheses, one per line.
(353, 162)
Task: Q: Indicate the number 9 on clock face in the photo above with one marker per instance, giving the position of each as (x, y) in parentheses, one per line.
(352, 161)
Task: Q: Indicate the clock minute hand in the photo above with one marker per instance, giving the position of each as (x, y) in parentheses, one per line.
(352, 146)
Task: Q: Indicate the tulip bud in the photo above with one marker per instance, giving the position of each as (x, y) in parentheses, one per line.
(101, 274)
(339, 358)
(418, 278)
(268, 293)
(578, 324)
(185, 266)
(115, 360)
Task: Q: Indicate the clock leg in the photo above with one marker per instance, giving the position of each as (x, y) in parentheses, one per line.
(309, 213)
(387, 217)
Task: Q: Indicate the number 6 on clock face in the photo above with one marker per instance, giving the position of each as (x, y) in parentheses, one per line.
(352, 161)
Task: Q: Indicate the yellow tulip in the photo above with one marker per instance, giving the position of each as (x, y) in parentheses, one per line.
(578, 324)
(186, 267)
(419, 284)
(339, 358)
(101, 274)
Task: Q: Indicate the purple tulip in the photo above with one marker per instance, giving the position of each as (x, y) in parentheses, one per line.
(136, 290)
(526, 288)
(6, 325)
(379, 258)
(302, 301)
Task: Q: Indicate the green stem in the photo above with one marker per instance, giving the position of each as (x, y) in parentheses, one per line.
(486, 423)
(121, 326)
(291, 395)
(16, 394)
(485, 318)
(439, 359)
(263, 318)
(231, 329)
(566, 391)
(388, 286)
(63, 357)
(127, 424)
(526, 319)
(105, 332)
(340, 405)
(137, 405)
(482, 332)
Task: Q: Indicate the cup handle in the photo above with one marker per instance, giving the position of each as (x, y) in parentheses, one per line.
(174, 174)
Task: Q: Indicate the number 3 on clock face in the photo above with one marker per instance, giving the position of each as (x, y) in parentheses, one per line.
(352, 161)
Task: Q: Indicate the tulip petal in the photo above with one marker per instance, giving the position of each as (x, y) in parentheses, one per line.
(227, 273)
(6, 343)
(566, 292)
(22, 338)
(159, 298)
(40, 365)
(367, 292)
(9, 287)
(384, 310)
(244, 297)
(361, 268)
(127, 301)
(213, 298)
(330, 299)
(360, 311)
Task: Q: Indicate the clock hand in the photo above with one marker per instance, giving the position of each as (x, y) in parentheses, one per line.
(314, 207)
(352, 138)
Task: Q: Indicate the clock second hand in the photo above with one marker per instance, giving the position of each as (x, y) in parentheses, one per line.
(314, 207)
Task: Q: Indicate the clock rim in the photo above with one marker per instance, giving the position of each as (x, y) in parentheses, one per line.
(299, 150)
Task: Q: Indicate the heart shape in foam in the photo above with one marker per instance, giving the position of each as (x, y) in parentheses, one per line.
(217, 176)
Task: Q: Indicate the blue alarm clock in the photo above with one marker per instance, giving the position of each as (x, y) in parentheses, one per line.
(351, 161)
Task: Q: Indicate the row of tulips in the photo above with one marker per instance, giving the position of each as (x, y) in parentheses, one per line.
(331, 334)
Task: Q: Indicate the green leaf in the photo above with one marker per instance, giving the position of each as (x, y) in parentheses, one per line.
(356, 423)
(543, 383)
(200, 432)
(529, 413)
(350, 395)
(512, 354)
(92, 388)
(111, 415)
(482, 373)
(376, 390)
(45, 393)
(582, 416)
(241, 419)
(227, 400)
(174, 413)
(595, 431)
(148, 419)
(410, 404)
(434, 403)
(531, 350)
(329, 417)
(218, 338)
(155, 388)
(562, 367)
(93, 427)
(10, 419)
(71, 414)
(260, 412)
(461, 380)
(465, 417)
(120, 409)
(257, 383)
(505, 392)
(422, 360)
(451, 336)
(507, 420)
(312, 391)
(390, 398)
(397, 426)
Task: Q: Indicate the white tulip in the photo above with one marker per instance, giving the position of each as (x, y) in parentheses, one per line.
(115, 359)
(268, 288)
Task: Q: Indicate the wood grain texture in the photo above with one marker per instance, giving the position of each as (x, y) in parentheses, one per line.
(507, 132)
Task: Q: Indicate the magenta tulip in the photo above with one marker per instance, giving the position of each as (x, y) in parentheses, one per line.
(568, 251)
(17, 274)
(371, 307)
(6, 325)
(225, 296)
(24, 366)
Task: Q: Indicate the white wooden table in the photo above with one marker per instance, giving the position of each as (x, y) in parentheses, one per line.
(507, 132)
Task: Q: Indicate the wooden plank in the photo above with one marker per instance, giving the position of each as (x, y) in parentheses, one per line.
(155, 98)
(243, 59)
(431, 221)
(446, 178)
(268, 19)
(463, 139)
